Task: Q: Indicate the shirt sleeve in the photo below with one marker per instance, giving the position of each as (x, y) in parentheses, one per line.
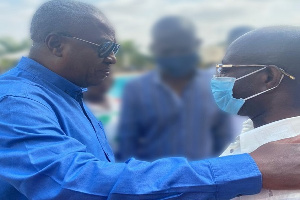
(41, 162)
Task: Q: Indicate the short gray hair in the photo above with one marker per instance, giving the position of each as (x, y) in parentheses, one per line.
(56, 15)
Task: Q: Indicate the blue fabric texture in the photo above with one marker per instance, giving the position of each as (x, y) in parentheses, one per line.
(52, 147)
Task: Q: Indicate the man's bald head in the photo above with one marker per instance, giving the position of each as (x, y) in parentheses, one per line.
(278, 46)
(172, 25)
(237, 32)
(174, 34)
(65, 16)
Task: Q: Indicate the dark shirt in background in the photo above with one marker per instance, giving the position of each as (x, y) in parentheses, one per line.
(156, 122)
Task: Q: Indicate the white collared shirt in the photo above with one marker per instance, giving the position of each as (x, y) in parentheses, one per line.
(252, 138)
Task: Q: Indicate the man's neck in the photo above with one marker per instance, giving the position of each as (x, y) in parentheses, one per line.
(275, 115)
(41, 56)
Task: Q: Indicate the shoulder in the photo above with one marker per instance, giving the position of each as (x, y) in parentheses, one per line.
(20, 89)
(140, 81)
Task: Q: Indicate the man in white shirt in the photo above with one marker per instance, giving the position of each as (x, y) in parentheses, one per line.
(259, 79)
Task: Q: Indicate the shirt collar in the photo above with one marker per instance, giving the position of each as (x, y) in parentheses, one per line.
(286, 128)
(38, 71)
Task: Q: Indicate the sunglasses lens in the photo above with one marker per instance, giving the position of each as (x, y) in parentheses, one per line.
(116, 48)
(104, 49)
(107, 48)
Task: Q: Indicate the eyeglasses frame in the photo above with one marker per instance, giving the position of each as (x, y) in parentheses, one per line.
(115, 45)
(254, 65)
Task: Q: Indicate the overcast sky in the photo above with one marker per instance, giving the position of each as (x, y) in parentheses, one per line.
(133, 18)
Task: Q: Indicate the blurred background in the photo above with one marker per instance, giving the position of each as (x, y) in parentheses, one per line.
(133, 20)
(217, 24)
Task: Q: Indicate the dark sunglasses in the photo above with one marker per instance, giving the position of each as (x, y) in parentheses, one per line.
(104, 49)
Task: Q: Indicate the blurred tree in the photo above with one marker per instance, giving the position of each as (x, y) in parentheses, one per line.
(131, 59)
(6, 64)
(10, 50)
(10, 45)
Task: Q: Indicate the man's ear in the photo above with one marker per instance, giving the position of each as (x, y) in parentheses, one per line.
(273, 77)
(54, 44)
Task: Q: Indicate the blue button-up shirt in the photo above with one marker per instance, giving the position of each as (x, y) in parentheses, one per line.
(52, 147)
(156, 122)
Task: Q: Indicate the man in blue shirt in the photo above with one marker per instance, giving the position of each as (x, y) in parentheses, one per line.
(170, 111)
(52, 147)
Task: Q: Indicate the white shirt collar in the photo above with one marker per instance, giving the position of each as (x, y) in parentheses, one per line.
(254, 138)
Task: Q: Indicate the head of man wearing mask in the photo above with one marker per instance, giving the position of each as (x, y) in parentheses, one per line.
(259, 75)
(175, 47)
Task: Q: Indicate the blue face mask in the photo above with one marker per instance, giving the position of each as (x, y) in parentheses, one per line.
(222, 91)
(178, 66)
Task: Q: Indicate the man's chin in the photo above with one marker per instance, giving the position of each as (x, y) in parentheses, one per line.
(98, 81)
(242, 112)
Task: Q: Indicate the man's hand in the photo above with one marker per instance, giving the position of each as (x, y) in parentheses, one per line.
(279, 163)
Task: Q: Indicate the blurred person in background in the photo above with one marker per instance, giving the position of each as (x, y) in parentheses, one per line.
(170, 110)
(104, 107)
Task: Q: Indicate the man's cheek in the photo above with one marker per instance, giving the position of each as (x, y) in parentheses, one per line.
(236, 91)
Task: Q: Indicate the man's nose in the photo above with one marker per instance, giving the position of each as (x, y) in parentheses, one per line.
(111, 58)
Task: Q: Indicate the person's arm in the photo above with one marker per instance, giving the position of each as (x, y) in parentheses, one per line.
(279, 163)
(128, 128)
(41, 162)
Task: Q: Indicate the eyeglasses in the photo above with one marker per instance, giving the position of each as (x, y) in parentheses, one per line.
(104, 49)
(221, 69)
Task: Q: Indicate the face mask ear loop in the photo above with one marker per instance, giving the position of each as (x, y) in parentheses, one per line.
(250, 74)
(265, 90)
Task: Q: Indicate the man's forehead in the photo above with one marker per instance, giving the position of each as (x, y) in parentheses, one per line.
(104, 36)
(95, 29)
